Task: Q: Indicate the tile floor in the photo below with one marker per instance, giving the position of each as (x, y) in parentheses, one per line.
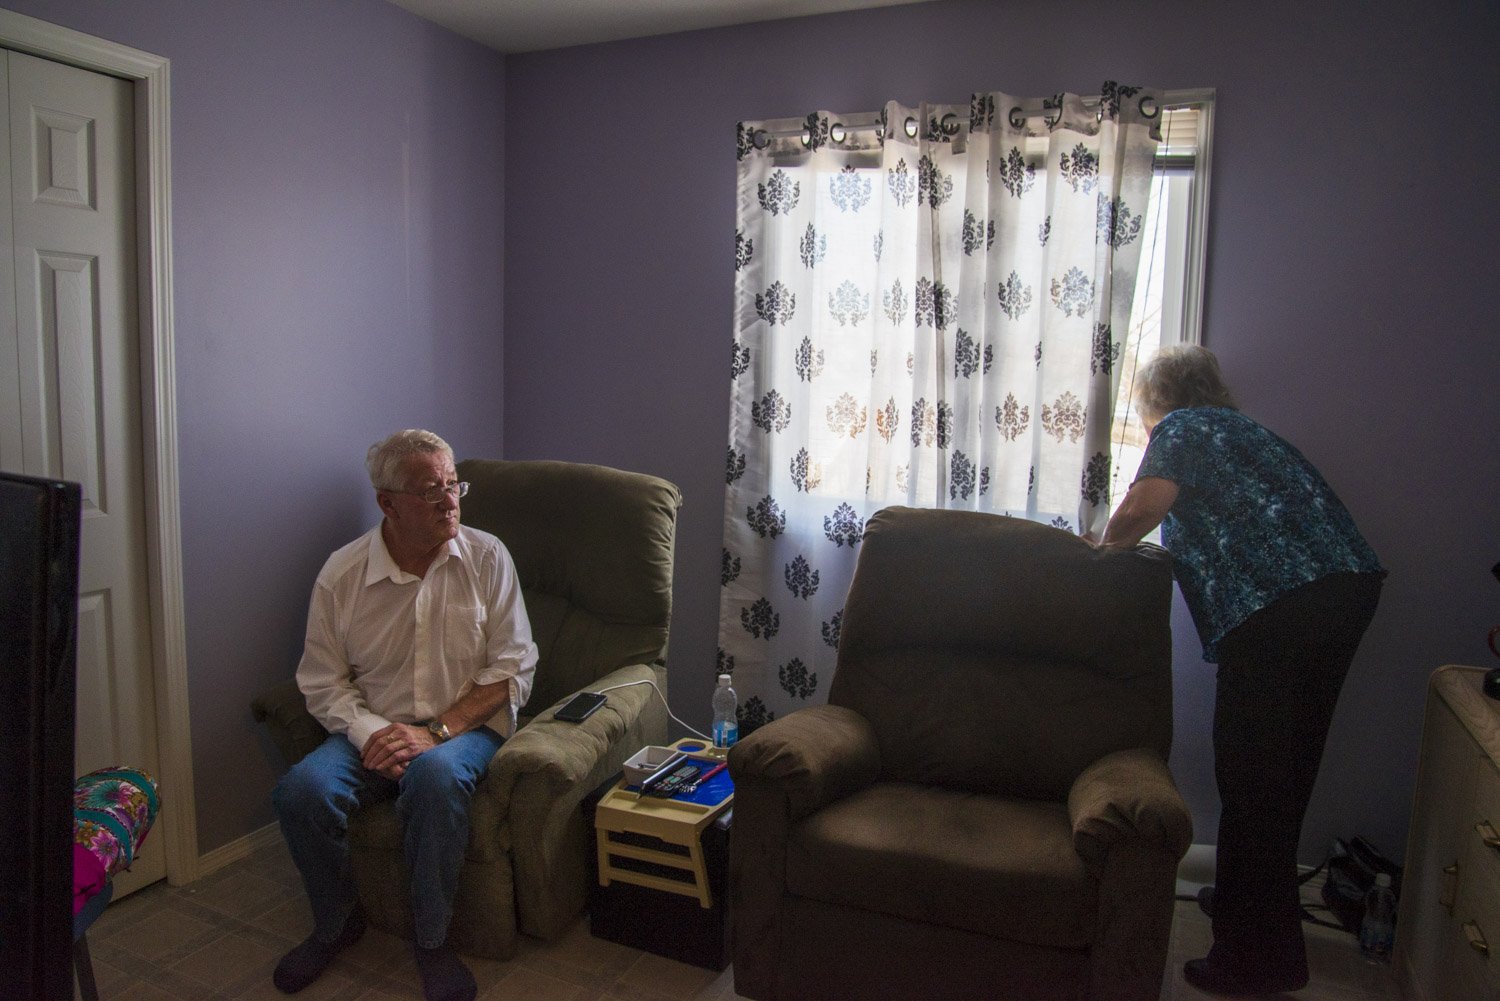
(219, 938)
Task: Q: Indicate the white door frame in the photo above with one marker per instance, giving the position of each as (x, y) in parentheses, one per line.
(178, 826)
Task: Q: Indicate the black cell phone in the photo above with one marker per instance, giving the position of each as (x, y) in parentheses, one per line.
(580, 707)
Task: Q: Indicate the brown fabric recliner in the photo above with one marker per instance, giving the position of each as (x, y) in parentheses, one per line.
(983, 808)
(593, 548)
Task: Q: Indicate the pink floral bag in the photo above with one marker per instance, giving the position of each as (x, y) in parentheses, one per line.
(113, 810)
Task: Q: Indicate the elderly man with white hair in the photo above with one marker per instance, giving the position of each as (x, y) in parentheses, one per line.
(418, 654)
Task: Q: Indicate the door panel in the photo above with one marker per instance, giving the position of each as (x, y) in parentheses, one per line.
(77, 385)
(10, 372)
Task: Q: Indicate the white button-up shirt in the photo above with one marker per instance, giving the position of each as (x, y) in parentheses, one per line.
(385, 646)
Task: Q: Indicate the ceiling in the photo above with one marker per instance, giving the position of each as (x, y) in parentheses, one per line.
(532, 25)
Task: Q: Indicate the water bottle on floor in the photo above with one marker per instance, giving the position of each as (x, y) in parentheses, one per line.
(1379, 925)
(726, 714)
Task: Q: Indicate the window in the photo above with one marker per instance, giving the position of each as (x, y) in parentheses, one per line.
(1168, 306)
(949, 353)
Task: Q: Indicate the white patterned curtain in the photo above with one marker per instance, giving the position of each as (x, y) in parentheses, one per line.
(928, 306)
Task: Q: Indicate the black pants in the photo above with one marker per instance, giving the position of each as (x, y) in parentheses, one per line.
(1279, 677)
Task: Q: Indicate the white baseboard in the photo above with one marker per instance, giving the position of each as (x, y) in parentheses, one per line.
(211, 862)
(1196, 870)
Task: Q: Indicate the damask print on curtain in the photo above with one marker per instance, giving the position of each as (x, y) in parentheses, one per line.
(929, 304)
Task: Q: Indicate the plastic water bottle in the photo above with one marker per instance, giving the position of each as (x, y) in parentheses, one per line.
(1379, 925)
(726, 714)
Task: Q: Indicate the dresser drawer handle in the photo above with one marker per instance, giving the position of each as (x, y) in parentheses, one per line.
(1448, 890)
(1487, 834)
(1476, 938)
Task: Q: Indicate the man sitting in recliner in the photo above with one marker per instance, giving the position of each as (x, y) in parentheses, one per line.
(418, 654)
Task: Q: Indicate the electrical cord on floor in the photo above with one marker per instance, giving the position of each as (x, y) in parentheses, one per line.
(663, 698)
(1307, 908)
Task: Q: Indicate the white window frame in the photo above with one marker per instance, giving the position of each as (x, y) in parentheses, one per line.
(1184, 271)
(1195, 250)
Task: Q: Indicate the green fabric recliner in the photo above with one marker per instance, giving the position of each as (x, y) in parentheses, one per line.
(983, 808)
(593, 548)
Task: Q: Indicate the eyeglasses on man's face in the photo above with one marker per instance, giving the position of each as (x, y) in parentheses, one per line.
(435, 494)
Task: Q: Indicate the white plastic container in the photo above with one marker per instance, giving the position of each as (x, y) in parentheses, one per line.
(640, 765)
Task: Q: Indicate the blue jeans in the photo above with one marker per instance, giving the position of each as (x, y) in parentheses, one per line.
(316, 797)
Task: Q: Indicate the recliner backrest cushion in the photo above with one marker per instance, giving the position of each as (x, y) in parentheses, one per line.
(1001, 655)
(593, 547)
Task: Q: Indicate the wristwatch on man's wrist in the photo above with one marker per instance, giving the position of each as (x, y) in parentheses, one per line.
(439, 731)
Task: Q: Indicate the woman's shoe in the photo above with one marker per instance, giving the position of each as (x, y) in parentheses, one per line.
(1216, 980)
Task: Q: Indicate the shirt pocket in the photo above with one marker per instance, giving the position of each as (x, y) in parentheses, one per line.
(463, 636)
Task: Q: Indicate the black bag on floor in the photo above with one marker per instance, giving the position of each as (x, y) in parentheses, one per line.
(1350, 871)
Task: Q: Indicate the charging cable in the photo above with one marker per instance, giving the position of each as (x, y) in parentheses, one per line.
(663, 698)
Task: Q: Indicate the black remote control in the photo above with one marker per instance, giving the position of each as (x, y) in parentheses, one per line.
(674, 782)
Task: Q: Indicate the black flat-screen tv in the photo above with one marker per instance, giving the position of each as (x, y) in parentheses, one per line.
(39, 544)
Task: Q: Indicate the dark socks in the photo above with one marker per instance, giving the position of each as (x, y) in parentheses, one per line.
(306, 962)
(444, 975)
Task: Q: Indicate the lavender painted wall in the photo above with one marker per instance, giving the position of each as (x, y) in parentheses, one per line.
(1353, 224)
(338, 222)
(339, 171)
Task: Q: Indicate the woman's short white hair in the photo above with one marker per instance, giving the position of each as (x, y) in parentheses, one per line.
(385, 458)
(1180, 376)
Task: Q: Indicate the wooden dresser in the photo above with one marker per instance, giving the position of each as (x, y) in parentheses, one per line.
(1448, 930)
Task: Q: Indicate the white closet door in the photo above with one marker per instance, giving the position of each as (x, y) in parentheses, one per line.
(71, 378)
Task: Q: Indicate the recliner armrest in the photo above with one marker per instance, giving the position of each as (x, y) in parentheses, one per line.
(784, 771)
(566, 753)
(814, 756)
(1131, 828)
(1128, 795)
(539, 778)
(292, 728)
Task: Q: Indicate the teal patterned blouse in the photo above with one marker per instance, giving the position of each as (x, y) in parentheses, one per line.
(1253, 519)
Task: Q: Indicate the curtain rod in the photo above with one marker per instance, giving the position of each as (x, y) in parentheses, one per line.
(949, 123)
